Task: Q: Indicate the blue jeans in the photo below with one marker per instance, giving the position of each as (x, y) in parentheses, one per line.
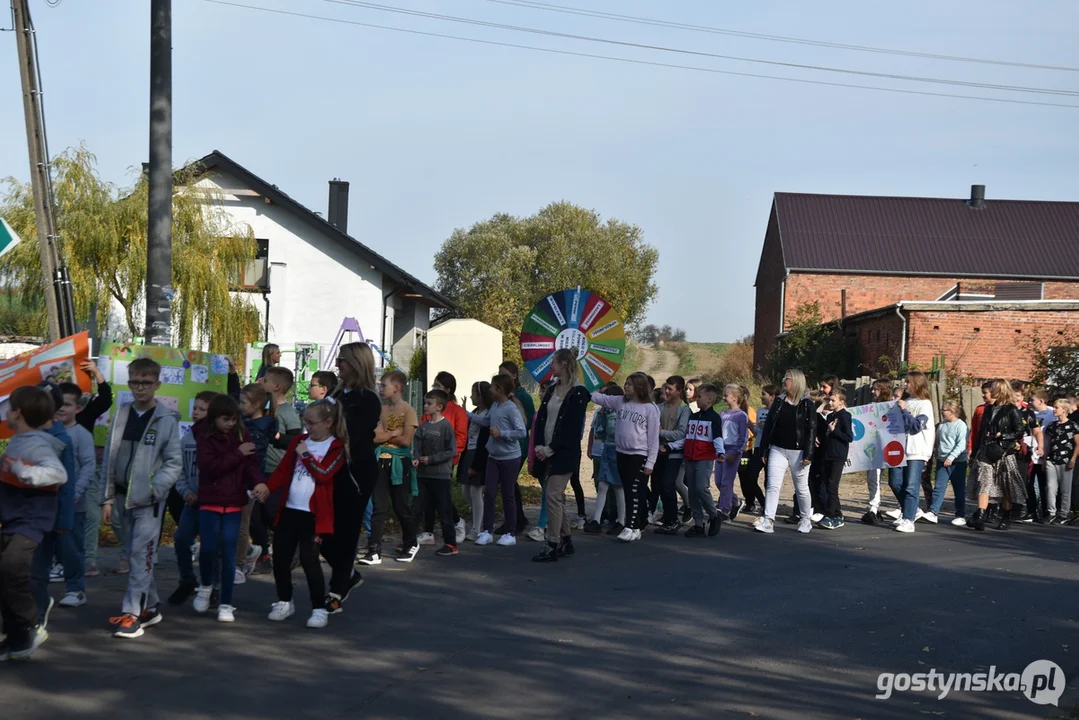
(220, 533)
(906, 483)
(183, 540)
(72, 546)
(367, 516)
(957, 476)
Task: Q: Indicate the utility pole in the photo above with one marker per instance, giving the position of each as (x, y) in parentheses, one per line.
(159, 289)
(39, 166)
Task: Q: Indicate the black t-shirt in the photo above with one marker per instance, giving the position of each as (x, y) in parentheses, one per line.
(784, 427)
(133, 432)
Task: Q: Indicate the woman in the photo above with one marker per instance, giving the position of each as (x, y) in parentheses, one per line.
(361, 407)
(921, 426)
(510, 369)
(996, 474)
(785, 444)
(271, 356)
(559, 428)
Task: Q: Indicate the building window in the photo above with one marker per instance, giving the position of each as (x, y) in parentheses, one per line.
(255, 274)
(1019, 291)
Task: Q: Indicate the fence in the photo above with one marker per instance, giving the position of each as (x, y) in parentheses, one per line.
(860, 392)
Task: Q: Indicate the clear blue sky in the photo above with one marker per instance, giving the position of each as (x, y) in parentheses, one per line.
(435, 134)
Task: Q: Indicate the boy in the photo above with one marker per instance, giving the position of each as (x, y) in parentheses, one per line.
(1039, 402)
(95, 407)
(837, 439)
(31, 475)
(322, 384)
(396, 482)
(434, 448)
(188, 487)
(703, 447)
(73, 544)
(458, 420)
(143, 461)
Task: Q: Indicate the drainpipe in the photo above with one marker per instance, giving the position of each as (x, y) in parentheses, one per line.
(266, 298)
(903, 337)
(385, 301)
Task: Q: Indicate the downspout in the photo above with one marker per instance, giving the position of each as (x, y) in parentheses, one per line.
(903, 336)
(385, 301)
(266, 299)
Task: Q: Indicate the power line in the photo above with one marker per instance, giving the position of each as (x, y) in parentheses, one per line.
(551, 7)
(697, 53)
(633, 61)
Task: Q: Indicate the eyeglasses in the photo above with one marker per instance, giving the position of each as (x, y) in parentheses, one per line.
(140, 384)
(313, 423)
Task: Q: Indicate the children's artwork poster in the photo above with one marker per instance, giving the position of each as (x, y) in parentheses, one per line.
(56, 362)
(880, 438)
(579, 320)
(184, 374)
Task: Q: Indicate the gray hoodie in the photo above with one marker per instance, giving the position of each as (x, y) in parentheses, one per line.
(82, 444)
(507, 417)
(29, 495)
(156, 463)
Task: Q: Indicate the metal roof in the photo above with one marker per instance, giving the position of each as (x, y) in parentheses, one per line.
(928, 236)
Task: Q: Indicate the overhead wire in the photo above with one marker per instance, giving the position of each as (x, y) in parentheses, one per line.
(635, 61)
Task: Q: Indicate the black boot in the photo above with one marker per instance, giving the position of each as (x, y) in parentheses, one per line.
(565, 546)
(549, 553)
(978, 519)
(1005, 519)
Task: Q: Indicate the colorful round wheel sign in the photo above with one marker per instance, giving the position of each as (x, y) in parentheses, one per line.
(579, 320)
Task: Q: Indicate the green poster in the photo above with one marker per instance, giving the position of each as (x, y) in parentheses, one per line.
(184, 374)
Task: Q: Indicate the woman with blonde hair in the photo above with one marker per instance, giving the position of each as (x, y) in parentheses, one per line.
(995, 476)
(785, 444)
(271, 356)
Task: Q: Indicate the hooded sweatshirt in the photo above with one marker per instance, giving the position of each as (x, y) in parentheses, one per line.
(225, 473)
(673, 423)
(921, 429)
(29, 492)
(82, 443)
(65, 510)
(154, 461)
(188, 482)
(637, 429)
(505, 416)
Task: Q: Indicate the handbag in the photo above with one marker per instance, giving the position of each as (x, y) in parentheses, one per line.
(994, 451)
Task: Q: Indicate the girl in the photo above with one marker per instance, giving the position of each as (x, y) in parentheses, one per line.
(882, 393)
(749, 472)
(691, 393)
(228, 469)
(603, 429)
(692, 387)
(996, 473)
(817, 490)
(917, 411)
(307, 475)
(506, 420)
(271, 356)
(637, 442)
(524, 399)
(474, 459)
(951, 463)
(260, 421)
(735, 433)
(1062, 449)
(673, 420)
(786, 440)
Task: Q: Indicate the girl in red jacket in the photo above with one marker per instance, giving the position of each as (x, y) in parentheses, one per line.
(228, 468)
(306, 512)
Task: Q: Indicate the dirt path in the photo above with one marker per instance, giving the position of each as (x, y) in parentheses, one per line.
(658, 363)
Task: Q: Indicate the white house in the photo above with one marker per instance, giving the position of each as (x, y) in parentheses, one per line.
(310, 274)
(467, 349)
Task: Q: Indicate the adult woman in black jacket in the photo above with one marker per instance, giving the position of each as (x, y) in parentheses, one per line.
(787, 442)
(558, 430)
(996, 476)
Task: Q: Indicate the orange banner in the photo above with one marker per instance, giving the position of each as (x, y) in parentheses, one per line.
(58, 362)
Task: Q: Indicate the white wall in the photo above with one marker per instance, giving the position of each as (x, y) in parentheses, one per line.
(467, 349)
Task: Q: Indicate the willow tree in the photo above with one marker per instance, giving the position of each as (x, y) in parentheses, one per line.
(102, 237)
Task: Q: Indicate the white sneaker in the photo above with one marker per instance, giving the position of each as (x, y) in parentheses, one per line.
(919, 515)
(252, 558)
(426, 538)
(626, 535)
(484, 538)
(805, 526)
(460, 531)
(507, 540)
(959, 522)
(764, 525)
(894, 514)
(73, 599)
(536, 534)
(651, 518)
(905, 526)
(816, 517)
(226, 613)
(202, 598)
(282, 610)
(578, 524)
(238, 577)
(472, 536)
(318, 619)
(895, 523)
(929, 517)
(636, 534)
(56, 573)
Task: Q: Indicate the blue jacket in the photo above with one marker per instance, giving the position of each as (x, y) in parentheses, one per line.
(65, 511)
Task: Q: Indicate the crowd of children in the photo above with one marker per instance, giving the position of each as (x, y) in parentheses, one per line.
(253, 485)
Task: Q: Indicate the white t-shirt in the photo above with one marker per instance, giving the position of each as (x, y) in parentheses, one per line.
(303, 485)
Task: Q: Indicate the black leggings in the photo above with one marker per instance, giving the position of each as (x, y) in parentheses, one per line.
(339, 549)
(578, 491)
(435, 493)
(385, 495)
(749, 473)
(635, 487)
(296, 529)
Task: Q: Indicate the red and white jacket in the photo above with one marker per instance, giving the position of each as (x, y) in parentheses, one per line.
(322, 472)
(704, 436)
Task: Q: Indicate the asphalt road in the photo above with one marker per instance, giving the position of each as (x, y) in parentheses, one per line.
(743, 625)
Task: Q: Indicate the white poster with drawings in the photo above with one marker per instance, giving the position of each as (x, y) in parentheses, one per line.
(172, 375)
(104, 364)
(185, 428)
(200, 373)
(219, 364)
(119, 372)
(172, 403)
(58, 372)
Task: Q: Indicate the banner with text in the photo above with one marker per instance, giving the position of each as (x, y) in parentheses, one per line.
(880, 439)
(56, 362)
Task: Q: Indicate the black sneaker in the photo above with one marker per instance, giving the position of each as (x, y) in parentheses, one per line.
(25, 650)
(354, 581)
(565, 547)
(406, 554)
(697, 531)
(687, 515)
(714, 524)
(871, 518)
(445, 551)
(736, 508)
(548, 554)
(1027, 518)
(333, 604)
(150, 617)
(593, 528)
(182, 593)
(669, 529)
(616, 529)
(126, 626)
(372, 557)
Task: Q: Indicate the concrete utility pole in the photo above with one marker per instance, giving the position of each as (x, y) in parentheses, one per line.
(159, 289)
(39, 167)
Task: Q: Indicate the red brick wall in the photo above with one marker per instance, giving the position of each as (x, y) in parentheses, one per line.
(769, 295)
(877, 337)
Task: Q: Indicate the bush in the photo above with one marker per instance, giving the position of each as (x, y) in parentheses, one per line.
(812, 346)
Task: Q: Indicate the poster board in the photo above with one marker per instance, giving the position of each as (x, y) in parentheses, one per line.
(184, 374)
(57, 362)
(880, 439)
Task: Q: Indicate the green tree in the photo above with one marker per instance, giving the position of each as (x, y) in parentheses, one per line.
(102, 233)
(499, 268)
(812, 346)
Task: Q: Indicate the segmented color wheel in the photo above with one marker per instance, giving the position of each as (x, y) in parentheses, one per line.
(580, 320)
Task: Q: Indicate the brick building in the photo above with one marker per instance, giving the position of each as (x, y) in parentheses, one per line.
(917, 278)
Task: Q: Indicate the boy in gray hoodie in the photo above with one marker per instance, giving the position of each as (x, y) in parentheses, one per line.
(143, 460)
(434, 447)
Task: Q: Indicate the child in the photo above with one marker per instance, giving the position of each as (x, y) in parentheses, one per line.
(817, 483)
(603, 429)
(474, 459)
(434, 448)
(637, 441)
(673, 420)
(87, 417)
(735, 434)
(73, 544)
(951, 463)
(1062, 450)
(143, 461)
(31, 475)
(749, 471)
(882, 392)
(322, 385)
(528, 407)
(260, 421)
(506, 420)
(838, 435)
(702, 447)
(691, 393)
(188, 487)
(396, 483)
(228, 468)
(306, 478)
(458, 420)
(919, 422)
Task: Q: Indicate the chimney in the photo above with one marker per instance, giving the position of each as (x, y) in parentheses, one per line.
(337, 213)
(977, 197)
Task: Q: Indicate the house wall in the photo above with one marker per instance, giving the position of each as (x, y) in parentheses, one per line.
(411, 321)
(467, 349)
(769, 288)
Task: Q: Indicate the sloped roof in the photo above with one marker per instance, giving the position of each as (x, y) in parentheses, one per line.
(928, 236)
(218, 160)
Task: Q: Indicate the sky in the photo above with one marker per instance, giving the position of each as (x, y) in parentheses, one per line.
(435, 133)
